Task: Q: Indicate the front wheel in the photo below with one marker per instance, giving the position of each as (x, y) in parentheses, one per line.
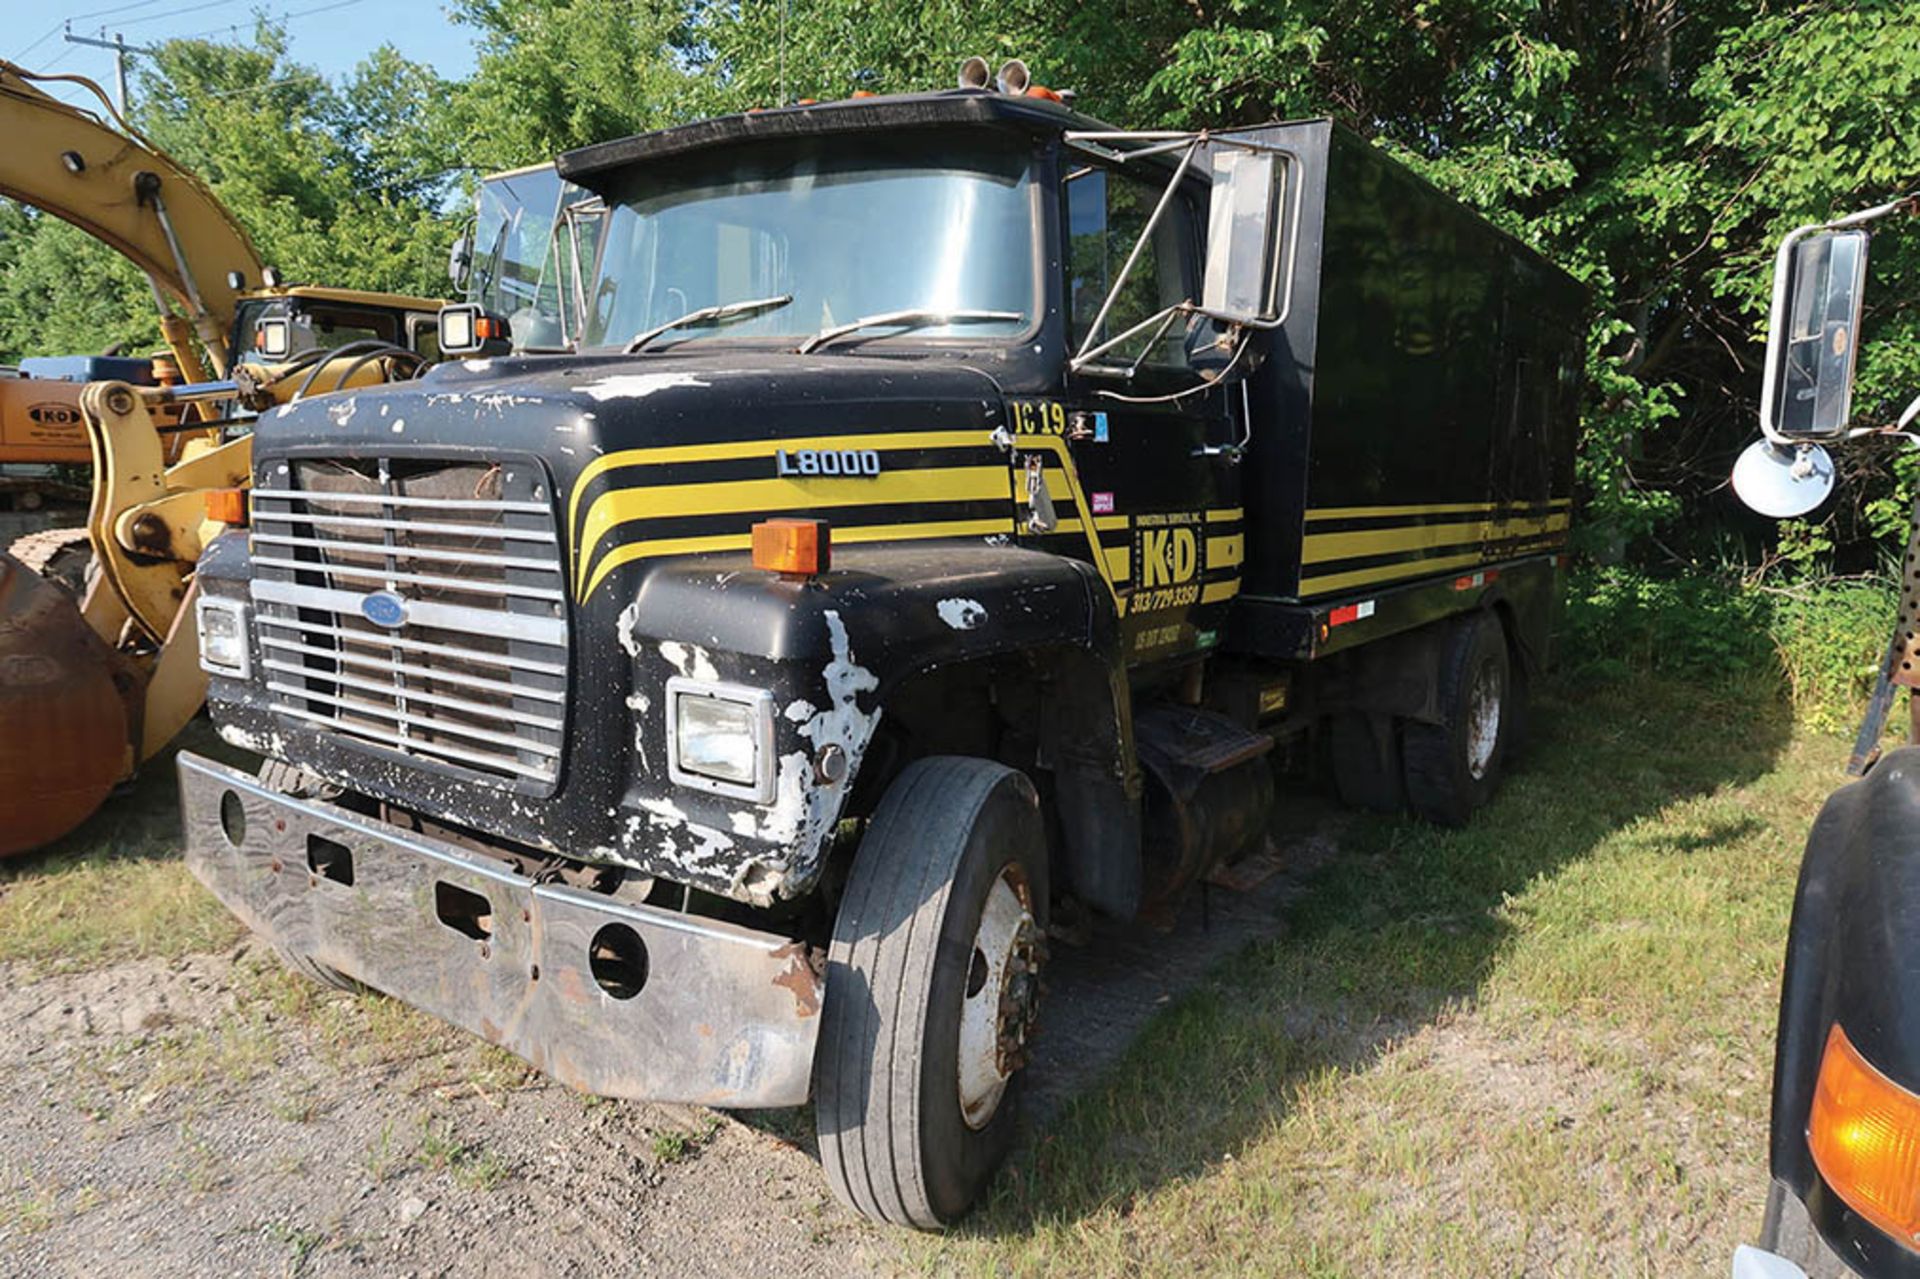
(932, 988)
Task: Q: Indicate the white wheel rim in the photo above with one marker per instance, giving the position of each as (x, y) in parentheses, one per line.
(1483, 719)
(996, 1007)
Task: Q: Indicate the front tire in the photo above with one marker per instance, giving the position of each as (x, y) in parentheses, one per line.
(932, 984)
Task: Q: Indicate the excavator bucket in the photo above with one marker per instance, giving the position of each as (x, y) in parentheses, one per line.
(64, 712)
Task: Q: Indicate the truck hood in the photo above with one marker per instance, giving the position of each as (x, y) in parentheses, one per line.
(685, 450)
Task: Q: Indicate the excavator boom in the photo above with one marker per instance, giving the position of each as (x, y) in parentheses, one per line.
(97, 172)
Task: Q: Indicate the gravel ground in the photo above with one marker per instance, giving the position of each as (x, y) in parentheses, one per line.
(215, 1115)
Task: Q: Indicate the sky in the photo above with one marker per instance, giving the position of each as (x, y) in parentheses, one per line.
(330, 35)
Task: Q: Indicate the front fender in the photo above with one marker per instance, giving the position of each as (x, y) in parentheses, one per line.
(1853, 957)
(832, 649)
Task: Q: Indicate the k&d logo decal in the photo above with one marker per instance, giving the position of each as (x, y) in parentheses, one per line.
(54, 414)
(1167, 552)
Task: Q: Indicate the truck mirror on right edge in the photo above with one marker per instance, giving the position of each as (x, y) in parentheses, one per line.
(1817, 290)
(1242, 282)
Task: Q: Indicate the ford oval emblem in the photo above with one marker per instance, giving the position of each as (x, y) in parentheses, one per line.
(384, 608)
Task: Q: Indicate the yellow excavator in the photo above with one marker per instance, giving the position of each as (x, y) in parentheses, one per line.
(93, 686)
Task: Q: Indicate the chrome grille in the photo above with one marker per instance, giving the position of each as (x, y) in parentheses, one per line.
(475, 677)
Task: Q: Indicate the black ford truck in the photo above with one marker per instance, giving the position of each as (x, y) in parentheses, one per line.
(918, 515)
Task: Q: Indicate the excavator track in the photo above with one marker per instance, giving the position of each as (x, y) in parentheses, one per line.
(61, 555)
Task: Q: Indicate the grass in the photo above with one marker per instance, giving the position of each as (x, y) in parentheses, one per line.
(1538, 1045)
(115, 888)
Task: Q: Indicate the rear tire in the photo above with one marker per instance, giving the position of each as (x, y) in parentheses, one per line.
(932, 981)
(1367, 770)
(1454, 766)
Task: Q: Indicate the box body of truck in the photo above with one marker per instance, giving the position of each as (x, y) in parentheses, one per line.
(566, 748)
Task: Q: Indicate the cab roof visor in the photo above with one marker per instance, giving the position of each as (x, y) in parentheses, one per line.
(954, 107)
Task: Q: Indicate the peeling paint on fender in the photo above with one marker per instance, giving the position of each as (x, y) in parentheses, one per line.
(690, 660)
(635, 386)
(962, 614)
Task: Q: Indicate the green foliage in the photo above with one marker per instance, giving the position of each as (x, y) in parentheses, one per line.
(1656, 152)
(1621, 623)
(1830, 641)
(555, 74)
(342, 186)
(1824, 640)
(64, 293)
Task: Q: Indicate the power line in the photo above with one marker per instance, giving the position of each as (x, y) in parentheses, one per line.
(282, 17)
(172, 13)
(72, 18)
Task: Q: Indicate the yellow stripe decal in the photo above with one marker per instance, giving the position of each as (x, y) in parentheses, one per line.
(1388, 572)
(1119, 562)
(630, 551)
(734, 449)
(1108, 523)
(1319, 548)
(1213, 592)
(772, 496)
(1444, 508)
(1226, 552)
(1222, 514)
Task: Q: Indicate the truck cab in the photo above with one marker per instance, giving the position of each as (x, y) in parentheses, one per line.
(899, 520)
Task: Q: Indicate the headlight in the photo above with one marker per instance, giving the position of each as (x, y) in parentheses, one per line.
(223, 637)
(720, 738)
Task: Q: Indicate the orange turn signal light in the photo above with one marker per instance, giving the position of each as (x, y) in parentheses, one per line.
(229, 506)
(1864, 1132)
(799, 547)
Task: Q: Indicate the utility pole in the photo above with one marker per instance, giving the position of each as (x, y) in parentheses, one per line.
(120, 49)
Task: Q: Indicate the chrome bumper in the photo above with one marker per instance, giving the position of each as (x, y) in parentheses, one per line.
(1757, 1263)
(722, 1015)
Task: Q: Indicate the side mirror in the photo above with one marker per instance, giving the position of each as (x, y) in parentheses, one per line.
(1818, 283)
(460, 260)
(468, 329)
(1243, 277)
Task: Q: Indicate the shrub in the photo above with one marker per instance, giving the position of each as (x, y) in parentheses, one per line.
(1821, 643)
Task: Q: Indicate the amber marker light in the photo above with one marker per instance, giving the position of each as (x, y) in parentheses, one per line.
(1864, 1132)
(229, 506)
(799, 548)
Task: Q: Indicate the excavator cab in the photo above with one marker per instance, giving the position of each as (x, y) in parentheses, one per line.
(283, 324)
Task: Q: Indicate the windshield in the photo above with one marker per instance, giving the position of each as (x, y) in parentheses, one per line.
(850, 227)
(524, 254)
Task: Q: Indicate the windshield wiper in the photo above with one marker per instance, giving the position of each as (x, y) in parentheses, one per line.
(916, 318)
(706, 315)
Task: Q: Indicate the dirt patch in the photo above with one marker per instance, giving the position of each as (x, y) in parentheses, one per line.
(165, 1119)
(212, 1114)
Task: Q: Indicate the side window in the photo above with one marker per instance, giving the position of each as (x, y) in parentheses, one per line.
(1106, 211)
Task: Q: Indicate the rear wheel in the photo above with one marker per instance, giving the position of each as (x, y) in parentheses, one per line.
(932, 988)
(1453, 766)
